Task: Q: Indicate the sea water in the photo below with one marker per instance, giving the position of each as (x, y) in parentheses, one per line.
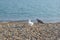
(45, 10)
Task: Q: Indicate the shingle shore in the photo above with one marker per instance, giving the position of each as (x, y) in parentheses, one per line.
(22, 31)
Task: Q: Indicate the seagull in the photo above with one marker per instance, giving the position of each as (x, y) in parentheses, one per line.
(30, 23)
(39, 21)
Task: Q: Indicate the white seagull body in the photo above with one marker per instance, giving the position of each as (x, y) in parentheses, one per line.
(30, 23)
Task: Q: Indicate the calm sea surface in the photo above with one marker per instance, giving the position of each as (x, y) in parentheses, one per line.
(46, 10)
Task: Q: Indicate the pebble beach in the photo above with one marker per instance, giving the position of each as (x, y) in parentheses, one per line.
(22, 31)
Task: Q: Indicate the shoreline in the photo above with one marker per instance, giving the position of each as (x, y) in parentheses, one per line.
(7, 21)
(14, 23)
